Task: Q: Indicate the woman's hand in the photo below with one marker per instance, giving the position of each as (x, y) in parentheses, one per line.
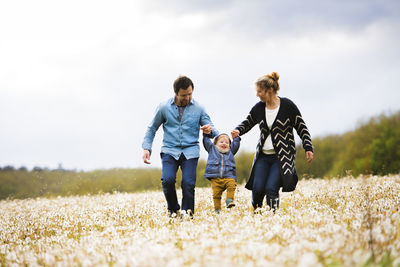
(309, 156)
(235, 133)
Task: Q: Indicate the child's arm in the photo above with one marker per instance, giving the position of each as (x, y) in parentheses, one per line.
(207, 142)
(235, 145)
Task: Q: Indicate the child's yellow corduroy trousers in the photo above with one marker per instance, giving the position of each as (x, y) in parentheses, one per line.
(218, 186)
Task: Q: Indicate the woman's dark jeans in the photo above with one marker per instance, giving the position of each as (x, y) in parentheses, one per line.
(267, 181)
(169, 168)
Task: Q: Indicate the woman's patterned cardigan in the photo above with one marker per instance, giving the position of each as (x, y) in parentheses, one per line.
(288, 117)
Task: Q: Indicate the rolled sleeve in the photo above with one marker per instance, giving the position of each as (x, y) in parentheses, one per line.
(205, 119)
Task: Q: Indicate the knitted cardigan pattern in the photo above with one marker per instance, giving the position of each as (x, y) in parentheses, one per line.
(288, 117)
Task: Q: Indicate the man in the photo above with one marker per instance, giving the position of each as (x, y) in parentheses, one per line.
(182, 118)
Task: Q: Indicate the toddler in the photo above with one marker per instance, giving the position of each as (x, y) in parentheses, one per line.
(221, 167)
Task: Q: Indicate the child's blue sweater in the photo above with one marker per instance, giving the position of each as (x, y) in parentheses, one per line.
(220, 165)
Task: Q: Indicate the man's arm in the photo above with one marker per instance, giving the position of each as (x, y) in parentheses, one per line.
(207, 125)
(150, 133)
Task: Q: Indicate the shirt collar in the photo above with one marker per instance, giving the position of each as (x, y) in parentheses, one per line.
(172, 101)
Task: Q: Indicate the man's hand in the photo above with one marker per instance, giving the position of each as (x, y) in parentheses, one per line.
(207, 129)
(146, 156)
(235, 133)
(309, 156)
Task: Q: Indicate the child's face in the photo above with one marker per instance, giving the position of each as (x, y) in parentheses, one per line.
(223, 144)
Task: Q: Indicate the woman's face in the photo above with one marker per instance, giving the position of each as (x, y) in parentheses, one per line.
(263, 94)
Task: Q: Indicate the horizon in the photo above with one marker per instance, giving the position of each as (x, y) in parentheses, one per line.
(60, 167)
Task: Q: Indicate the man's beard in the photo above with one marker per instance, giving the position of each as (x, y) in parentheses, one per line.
(183, 103)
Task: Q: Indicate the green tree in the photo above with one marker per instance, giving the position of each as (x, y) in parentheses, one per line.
(385, 150)
(244, 161)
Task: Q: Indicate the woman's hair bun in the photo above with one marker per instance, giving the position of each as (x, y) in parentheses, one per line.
(269, 81)
(275, 76)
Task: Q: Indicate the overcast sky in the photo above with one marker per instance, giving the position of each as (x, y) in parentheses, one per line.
(80, 80)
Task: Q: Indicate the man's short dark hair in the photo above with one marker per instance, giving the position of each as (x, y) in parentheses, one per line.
(182, 82)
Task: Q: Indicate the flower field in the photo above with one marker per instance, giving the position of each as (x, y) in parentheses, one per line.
(325, 222)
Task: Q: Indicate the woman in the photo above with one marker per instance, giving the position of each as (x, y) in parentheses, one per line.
(274, 161)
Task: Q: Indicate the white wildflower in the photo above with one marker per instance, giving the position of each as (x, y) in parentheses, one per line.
(321, 221)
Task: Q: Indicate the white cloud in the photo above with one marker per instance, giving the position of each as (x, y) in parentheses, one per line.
(80, 81)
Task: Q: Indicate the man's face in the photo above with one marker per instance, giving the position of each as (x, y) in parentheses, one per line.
(183, 97)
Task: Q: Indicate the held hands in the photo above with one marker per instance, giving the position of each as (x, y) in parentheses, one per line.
(146, 156)
(207, 129)
(309, 156)
(235, 133)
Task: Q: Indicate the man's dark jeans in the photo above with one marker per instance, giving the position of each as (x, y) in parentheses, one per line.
(169, 168)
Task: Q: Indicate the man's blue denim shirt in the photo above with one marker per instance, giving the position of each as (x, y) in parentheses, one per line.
(179, 136)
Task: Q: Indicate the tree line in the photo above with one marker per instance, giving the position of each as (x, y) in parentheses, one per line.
(372, 148)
